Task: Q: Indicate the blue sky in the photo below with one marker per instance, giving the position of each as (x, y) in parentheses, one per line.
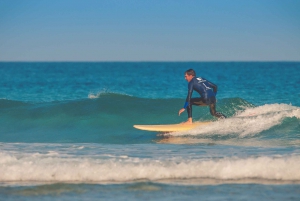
(149, 30)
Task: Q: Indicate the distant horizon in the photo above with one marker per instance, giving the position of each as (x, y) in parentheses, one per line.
(150, 61)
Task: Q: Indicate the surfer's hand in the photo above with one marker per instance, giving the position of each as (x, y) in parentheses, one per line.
(181, 111)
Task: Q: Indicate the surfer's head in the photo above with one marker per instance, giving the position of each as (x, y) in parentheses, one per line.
(189, 74)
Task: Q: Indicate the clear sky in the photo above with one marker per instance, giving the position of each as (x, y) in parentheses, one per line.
(149, 30)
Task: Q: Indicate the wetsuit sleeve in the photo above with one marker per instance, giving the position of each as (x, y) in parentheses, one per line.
(212, 85)
(189, 96)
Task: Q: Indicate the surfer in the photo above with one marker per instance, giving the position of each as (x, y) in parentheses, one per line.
(207, 91)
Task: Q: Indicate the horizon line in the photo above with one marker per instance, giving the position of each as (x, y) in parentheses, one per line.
(145, 61)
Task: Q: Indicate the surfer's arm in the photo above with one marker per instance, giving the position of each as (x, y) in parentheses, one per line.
(212, 85)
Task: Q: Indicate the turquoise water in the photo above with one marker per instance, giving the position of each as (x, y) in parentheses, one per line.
(66, 132)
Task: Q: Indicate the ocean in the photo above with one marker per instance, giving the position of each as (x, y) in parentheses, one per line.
(66, 132)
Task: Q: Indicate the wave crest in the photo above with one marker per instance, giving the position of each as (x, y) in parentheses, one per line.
(249, 122)
(50, 168)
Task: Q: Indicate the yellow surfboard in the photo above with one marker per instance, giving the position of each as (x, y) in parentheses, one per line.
(170, 127)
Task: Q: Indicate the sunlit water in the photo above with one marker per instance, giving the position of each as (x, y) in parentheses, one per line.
(66, 132)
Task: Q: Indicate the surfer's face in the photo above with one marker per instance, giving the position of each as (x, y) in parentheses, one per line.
(188, 77)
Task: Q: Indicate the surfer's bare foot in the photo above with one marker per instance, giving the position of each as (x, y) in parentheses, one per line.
(189, 121)
(186, 123)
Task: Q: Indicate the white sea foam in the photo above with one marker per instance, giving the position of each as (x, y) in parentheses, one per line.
(249, 122)
(104, 92)
(98, 94)
(42, 167)
(95, 95)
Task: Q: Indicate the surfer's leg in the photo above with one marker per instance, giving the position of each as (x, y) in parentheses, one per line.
(194, 101)
(213, 112)
(189, 110)
(212, 108)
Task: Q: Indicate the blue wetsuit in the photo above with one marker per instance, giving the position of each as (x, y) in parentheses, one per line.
(207, 91)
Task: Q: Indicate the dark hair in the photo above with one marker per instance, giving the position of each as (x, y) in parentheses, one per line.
(190, 72)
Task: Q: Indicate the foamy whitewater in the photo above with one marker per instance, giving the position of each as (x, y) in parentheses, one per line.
(67, 132)
(250, 122)
(109, 168)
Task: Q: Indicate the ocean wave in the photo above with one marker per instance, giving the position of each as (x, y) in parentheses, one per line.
(118, 103)
(52, 168)
(113, 114)
(250, 122)
(7, 104)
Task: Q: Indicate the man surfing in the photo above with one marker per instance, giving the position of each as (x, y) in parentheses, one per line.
(207, 91)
